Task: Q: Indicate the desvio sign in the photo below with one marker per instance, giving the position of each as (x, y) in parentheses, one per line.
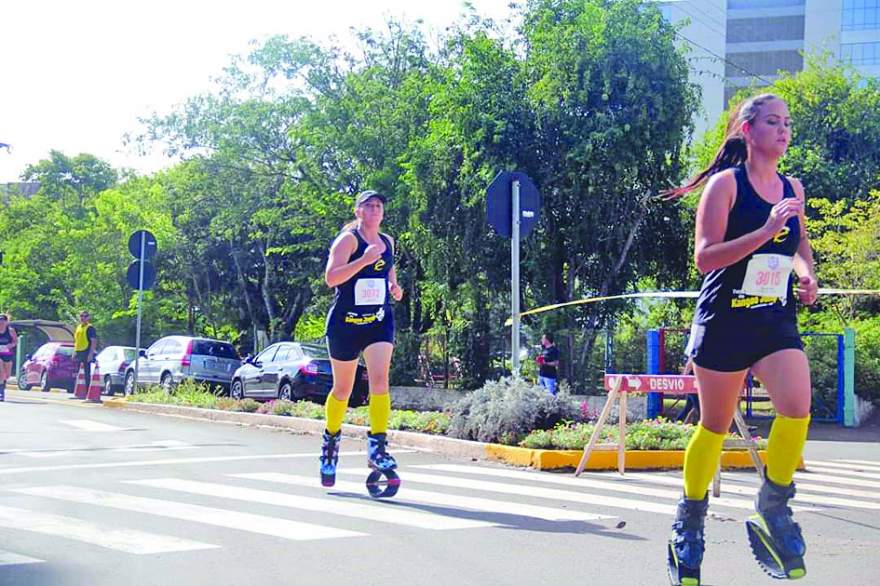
(671, 384)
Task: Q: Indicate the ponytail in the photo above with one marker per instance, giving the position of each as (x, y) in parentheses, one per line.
(734, 150)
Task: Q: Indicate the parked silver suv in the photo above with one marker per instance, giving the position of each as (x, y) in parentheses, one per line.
(174, 358)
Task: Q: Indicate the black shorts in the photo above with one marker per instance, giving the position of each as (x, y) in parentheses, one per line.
(729, 348)
(81, 356)
(7, 357)
(346, 342)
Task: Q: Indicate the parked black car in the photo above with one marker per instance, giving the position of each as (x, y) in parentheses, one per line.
(293, 371)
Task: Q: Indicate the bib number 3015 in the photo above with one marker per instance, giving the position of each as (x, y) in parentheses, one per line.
(767, 275)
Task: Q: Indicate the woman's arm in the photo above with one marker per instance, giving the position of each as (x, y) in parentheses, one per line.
(339, 270)
(808, 284)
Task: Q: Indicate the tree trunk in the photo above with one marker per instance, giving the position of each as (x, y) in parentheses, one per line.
(589, 331)
(242, 283)
(266, 288)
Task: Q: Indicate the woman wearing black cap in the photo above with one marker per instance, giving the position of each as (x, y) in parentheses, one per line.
(361, 269)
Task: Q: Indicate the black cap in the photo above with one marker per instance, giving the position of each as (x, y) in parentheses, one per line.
(364, 196)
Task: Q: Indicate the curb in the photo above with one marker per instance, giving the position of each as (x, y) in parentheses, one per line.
(455, 448)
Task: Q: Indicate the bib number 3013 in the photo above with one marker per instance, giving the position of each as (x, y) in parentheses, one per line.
(767, 275)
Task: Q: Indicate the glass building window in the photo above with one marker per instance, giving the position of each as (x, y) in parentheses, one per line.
(777, 28)
(860, 15)
(860, 53)
(746, 4)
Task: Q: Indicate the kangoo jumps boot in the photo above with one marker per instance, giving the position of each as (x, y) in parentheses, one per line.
(379, 459)
(686, 545)
(775, 538)
(329, 457)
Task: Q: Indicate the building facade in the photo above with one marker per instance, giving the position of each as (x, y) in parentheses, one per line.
(736, 44)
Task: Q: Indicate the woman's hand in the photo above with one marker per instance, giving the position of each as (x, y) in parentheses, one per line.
(373, 253)
(807, 289)
(781, 213)
(396, 291)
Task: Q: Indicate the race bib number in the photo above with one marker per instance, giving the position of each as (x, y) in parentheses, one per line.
(767, 276)
(4, 349)
(370, 292)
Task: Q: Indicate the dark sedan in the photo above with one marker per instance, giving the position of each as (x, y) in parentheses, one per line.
(293, 371)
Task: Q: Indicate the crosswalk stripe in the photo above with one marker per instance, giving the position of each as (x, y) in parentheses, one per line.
(334, 507)
(127, 540)
(535, 491)
(89, 425)
(159, 446)
(848, 473)
(197, 513)
(803, 484)
(834, 478)
(8, 558)
(168, 461)
(441, 499)
(866, 462)
(849, 466)
(583, 481)
(751, 490)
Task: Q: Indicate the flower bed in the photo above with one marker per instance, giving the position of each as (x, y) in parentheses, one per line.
(641, 435)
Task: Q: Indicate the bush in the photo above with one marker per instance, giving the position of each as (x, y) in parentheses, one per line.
(509, 409)
(652, 434)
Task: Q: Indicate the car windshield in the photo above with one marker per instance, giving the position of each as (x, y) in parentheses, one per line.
(64, 350)
(212, 348)
(319, 352)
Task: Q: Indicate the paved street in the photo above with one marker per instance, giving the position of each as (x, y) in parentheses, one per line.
(95, 496)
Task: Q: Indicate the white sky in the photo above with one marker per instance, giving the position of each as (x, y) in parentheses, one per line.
(76, 74)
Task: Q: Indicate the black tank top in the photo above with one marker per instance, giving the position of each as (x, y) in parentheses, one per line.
(5, 340)
(364, 299)
(759, 288)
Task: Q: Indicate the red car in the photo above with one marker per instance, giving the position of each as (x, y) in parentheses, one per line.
(52, 365)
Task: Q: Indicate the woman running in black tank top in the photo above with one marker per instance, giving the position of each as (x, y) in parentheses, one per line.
(749, 237)
(361, 269)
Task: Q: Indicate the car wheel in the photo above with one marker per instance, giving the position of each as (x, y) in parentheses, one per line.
(44, 381)
(22, 381)
(237, 390)
(108, 386)
(167, 383)
(286, 391)
(128, 388)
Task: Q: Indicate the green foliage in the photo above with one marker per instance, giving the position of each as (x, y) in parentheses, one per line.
(507, 410)
(658, 434)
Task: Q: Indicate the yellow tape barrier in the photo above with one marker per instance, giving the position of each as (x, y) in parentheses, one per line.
(668, 295)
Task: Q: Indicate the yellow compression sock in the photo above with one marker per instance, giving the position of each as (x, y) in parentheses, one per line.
(380, 412)
(701, 461)
(784, 447)
(334, 412)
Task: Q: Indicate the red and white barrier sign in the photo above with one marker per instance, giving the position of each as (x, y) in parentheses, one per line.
(670, 384)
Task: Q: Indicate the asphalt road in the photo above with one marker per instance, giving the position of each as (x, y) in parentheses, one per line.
(95, 496)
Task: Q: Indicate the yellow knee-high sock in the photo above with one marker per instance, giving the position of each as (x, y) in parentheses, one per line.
(334, 412)
(784, 447)
(380, 412)
(701, 461)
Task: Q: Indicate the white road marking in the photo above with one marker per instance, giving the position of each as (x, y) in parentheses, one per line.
(408, 494)
(582, 481)
(370, 512)
(89, 425)
(127, 540)
(229, 519)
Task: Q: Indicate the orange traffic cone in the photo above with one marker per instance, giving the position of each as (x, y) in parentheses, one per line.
(80, 390)
(95, 386)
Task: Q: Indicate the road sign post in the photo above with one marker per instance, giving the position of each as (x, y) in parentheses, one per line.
(142, 246)
(513, 207)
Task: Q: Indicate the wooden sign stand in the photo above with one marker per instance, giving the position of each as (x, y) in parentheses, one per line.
(619, 385)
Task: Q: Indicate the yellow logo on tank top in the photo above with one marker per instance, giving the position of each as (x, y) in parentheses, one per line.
(782, 235)
(379, 264)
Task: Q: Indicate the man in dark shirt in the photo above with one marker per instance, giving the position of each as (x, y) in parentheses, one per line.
(548, 360)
